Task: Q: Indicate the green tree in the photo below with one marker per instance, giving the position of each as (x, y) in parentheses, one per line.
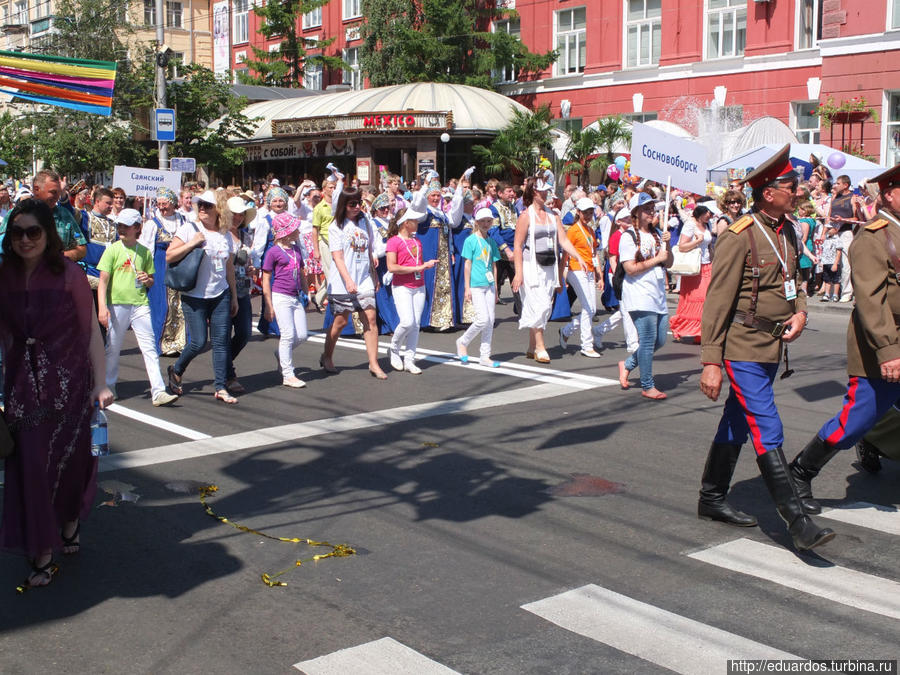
(200, 98)
(442, 41)
(15, 146)
(74, 142)
(284, 66)
(611, 132)
(582, 156)
(516, 147)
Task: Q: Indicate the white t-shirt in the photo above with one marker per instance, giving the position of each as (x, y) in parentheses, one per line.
(690, 231)
(356, 244)
(211, 278)
(645, 291)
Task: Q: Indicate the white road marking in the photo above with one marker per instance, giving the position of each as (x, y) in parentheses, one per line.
(832, 582)
(295, 432)
(871, 516)
(381, 657)
(157, 422)
(648, 632)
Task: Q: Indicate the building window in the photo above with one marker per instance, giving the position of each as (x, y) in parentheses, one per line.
(641, 117)
(809, 23)
(352, 75)
(805, 122)
(726, 28)
(643, 32)
(312, 76)
(241, 21)
(571, 37)
(352, 9)
(892, 124)
(513, 27)
(312, 18)
(41, 9)
(568, 125)
(895, 14)
(174, 12)
(20, 12)
(149, 13)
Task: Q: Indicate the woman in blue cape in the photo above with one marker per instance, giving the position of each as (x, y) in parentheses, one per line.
(434, 238)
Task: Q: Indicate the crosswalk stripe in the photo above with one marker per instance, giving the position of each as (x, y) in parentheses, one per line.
(381, 657)
(864, 514)
(647, 632)
(832, 582)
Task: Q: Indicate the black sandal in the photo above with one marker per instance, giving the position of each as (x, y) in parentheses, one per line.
(48, 571)
(70, 543)
(174, 385)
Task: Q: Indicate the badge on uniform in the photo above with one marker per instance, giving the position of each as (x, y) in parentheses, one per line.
(489, 276)
(790, 289)
(218, 265)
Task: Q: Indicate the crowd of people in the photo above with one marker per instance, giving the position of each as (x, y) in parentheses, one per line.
(180, 270)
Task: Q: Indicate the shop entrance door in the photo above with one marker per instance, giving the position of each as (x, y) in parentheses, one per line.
(391, 158)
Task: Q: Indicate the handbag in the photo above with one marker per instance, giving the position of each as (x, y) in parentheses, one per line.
(686, 263)
(182, 275)
(545, 258)
(7, 445)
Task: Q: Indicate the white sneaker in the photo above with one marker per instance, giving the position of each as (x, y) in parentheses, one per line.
(164, 398)
(293, 382)
(563, 340)
(412, 368)
(396, 361)
(590, 353)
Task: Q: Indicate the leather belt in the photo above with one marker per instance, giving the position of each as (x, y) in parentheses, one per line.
(773, 328)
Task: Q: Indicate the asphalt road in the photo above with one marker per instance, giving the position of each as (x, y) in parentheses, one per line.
(467, 493)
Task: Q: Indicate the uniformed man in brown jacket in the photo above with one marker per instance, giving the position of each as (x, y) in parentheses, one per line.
(754, 306)
(873, 340)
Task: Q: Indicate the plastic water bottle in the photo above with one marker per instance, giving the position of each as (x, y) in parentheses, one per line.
(99, 433)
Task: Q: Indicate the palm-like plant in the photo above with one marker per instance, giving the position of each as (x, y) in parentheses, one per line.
(581, 154)
(513, 151)
(610, 132)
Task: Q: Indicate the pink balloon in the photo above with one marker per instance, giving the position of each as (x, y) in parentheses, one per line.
(613, 172)
(836, 160)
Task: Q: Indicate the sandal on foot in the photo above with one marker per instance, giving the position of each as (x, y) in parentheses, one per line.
(529, 355)
(225, 397)
(657, 396)
(328, 369)
(72, 543)
(235, 387)
(40, 576)
(174, 381)
(542, 356)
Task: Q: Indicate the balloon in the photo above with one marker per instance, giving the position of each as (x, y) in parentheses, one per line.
(628, 164)
(620, 162)
(613, 172)
(836, 160)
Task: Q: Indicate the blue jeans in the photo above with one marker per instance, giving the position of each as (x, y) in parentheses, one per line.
(216, 314)
(651, 329)
(241, 325)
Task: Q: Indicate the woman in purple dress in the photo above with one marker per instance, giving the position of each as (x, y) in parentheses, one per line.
(47, 327)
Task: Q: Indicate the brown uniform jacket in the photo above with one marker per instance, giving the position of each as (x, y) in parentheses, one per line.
(730, 287)
(873, 336)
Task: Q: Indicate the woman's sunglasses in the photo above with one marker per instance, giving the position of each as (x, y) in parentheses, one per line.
(33, 233)
(353, 204)
(204, 205)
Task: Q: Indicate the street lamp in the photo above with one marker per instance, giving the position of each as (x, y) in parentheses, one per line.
(445, 138)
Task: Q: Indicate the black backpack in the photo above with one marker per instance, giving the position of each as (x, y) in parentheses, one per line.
(619, 275)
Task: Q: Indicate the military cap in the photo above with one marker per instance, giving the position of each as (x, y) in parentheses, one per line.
(777, 167)
(888, 179)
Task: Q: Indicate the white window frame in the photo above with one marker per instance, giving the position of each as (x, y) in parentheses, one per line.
(352, 75)
(817, 20)
(573, 33)
(241, 13)
(507, 74)
(641, 117)
(170, 7)
(312, 19)
(352, 9)
(20, 12)
(41, 9)
(151, 6)
(734, 7)
(810, 135)
(893, 15)
(626, 24)
(313, 76)
(887, 126)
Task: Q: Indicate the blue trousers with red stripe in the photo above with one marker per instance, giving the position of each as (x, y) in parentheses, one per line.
(750, 407)
(866, 402)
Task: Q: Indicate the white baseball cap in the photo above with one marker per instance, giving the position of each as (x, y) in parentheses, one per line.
(128, 217)
(236, 205)
(585, 204)
(275, 182)
(623, 214)
(206, 197)
(484, 214)
(410, 214)
(541, 186)
(639, 199)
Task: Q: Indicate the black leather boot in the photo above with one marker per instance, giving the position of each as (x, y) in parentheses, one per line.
(806, 466)
(803, 530)
(714, 484)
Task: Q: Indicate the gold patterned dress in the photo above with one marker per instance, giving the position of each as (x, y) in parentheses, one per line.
(165, 304)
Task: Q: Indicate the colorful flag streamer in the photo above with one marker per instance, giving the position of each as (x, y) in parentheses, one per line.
(78, 84)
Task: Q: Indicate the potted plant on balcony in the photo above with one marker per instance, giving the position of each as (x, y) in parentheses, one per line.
(852, 111)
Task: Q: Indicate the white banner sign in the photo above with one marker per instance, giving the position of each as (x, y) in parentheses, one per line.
(660, 156)
(144, 182)
(221, 35)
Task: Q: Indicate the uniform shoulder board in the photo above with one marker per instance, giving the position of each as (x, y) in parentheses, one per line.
(741, 224)
(876, 225)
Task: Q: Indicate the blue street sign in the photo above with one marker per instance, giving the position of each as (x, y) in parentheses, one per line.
(163, 126)
(184, 164)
